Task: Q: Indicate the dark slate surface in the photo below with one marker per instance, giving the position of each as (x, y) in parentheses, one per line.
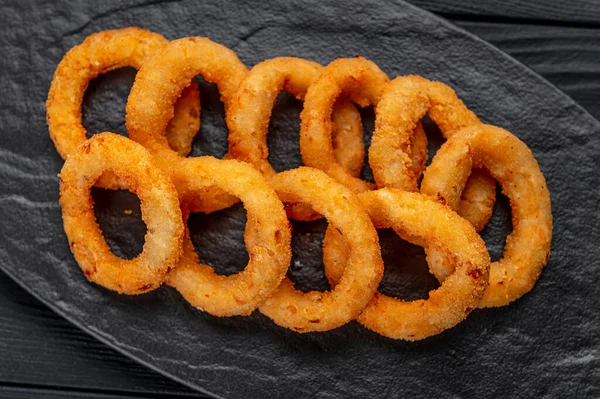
(547, 343)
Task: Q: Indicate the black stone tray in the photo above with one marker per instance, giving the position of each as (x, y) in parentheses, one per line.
(546, 343)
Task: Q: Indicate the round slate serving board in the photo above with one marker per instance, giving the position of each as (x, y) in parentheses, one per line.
(546, 343)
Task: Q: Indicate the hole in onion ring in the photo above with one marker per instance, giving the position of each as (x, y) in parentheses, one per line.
(114, 210)
(435, 139)
(105, 98)
(218, 239)
(307, 245)
(478, 198)
(499, 226)
(368, 120)
(406, 273)
(212, 137)
(284, 132)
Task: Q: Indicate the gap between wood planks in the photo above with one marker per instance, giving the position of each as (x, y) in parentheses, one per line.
(13, 390)
(497, 19)
(576, 13)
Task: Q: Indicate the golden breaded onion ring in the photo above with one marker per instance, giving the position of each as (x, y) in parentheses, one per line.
(250, 111)
(157, 87)
(512, 164)
(417, 216)
(362, 81)
(406, 100)
(357, 78)
(134, 165)
(269, 254)
(100, 53)
(321, 311)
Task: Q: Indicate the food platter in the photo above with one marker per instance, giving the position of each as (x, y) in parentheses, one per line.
(543, 344)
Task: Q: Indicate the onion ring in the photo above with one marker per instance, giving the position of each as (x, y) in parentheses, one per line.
(512, 164)
(359, 79)
(100, 53)
(157, 86)
(250, 111)
(270, 253)
(160, 211)
(393, 140)
(321, 311)
(418, 216)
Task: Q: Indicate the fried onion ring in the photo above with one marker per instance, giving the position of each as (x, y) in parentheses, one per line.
(250, 111)
(417, 216)
(269, 254)
(359, 79)
(405, 100)
(160, 211)
(157, 87)
(321, 311)
(100, 53)
(512, 164)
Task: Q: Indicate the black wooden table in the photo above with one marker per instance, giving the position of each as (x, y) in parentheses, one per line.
(43, 356)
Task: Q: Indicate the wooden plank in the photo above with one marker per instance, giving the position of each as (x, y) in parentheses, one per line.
(41, 393)
(32, 392)
(575, 12)
(38, 347)
(567, 57)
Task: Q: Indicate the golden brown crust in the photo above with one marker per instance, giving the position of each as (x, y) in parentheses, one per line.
(420, 153)
(250, 111)
(509, 161)
(163, 116)
(357, 78)
(418, 216)
(100, 53)
(160, 211)
(478, 198)
(184, 125)
(157, 87)
(321, 311)
(269, 253)
(405, 100)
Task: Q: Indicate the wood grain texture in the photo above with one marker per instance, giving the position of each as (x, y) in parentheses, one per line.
(44, 393)
(26, 393)
(575, 12)
(567, 57)
(45, 356)
(39, 348)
